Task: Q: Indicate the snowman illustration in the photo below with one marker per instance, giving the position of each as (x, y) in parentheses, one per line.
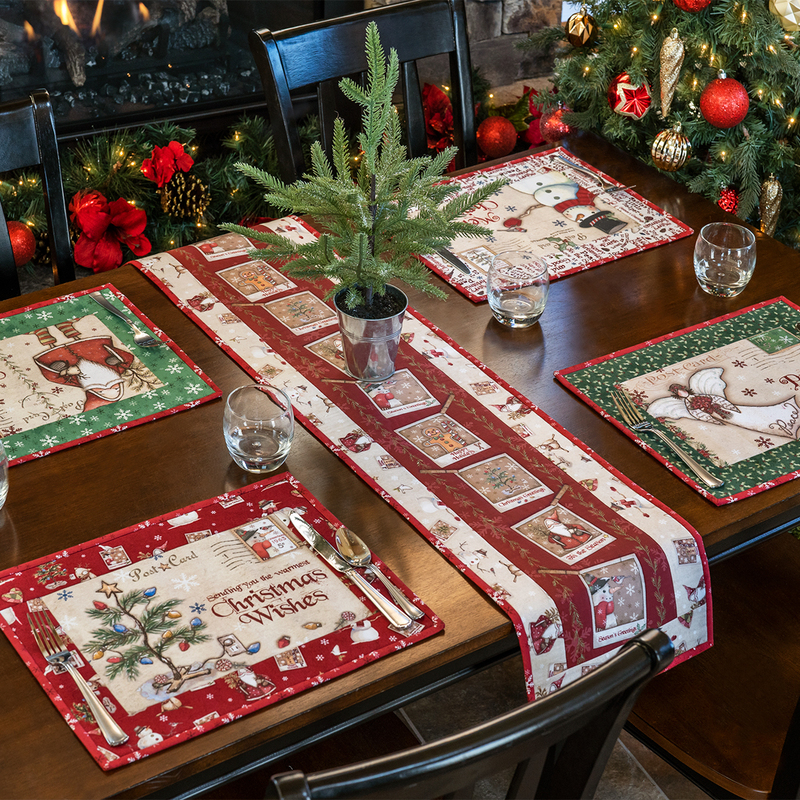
(602, 591)
(555, 190)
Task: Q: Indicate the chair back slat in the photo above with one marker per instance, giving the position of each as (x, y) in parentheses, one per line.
(28, 139)
(559, 744)
(321, 53)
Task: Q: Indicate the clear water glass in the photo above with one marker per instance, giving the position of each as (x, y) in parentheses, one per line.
(517, 286)
(258, 425)
(3, 474)
(724, 258)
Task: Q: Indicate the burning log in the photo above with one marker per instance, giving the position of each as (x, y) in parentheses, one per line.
(45, 22)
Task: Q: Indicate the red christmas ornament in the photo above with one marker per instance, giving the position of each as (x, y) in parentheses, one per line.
(627, 99)
(23, 242)
(552, 125)
(496, 136)
(724, 102)
(184, 646)
(692, 5)
(728, 199)
(99, 606)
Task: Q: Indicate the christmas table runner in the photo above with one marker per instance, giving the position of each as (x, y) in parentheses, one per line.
(578, 556)
(724, 390)
(559, 212)
(70, 372)
(191, 620)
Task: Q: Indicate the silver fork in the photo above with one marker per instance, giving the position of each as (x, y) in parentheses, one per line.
(608, 187)
(635, 420)
(139, 336)
(54, 650)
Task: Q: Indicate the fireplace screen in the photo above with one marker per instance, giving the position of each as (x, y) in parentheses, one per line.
(111, 63)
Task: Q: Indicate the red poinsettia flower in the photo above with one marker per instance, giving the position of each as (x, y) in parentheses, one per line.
(105, 227)
(164, 162)
(438, 117)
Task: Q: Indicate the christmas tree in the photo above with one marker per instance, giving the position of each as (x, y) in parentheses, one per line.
(706, 90)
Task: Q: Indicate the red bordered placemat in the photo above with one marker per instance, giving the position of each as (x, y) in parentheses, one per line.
(193, 619)
(559, 212)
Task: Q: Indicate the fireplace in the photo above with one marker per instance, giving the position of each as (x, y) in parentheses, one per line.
(116, 63)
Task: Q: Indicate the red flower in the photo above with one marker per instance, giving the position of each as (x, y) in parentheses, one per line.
(164, 162)
(438, 117)
(105, 227)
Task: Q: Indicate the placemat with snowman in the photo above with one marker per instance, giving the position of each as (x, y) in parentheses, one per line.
(558, 212)
(578, 556)
(191, 620)
(725, 391)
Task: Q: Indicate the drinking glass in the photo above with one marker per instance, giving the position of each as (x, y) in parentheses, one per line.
(517, 285)
(3, 474)
(258, 425)
(724, 258)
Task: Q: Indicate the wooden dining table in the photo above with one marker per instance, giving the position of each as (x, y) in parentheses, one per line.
(84, 492)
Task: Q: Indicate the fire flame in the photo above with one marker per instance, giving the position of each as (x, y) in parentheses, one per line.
(63, 13)
(29, 30)
(144, 12)
(98, 12)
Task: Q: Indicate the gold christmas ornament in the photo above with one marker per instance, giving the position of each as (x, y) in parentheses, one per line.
(769, 204)
(671, 149)
(672, 53)
(788, 12)
(581, 28)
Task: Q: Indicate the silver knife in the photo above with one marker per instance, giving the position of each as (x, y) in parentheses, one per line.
(453, 259)
(389, 610)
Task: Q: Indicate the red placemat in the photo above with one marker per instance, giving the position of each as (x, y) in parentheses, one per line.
(724, 391)
(559, 212)
(193, 619)
(70, 372)
(578, 556)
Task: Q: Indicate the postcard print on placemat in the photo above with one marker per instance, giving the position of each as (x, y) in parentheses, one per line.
(503, 482)
(400, 394)
(442, 439)
(295, 598)
(228, 245)
(563, 533)
(616, 591)
(302, 312)
(256, 280)
(730, 403)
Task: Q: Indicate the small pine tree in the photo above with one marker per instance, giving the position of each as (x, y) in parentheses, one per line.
(141, 633)
(740, 37)
(375, 225)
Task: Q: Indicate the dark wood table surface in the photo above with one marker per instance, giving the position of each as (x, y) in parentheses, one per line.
(84, 492)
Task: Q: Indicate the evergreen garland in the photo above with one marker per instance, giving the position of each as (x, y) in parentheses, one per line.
(740, 37)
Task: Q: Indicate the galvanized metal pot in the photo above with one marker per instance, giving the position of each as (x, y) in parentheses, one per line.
(370, 345)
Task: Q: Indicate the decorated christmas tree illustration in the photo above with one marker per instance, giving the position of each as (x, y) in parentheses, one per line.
(138, 631)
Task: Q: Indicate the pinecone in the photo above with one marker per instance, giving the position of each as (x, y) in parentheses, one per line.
(185, 195)
(42, 253)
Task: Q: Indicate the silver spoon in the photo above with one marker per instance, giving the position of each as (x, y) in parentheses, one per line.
(355, 551)
(139, 337)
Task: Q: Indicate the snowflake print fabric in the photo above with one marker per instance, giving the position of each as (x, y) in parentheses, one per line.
(70, 372)
(194, 619)
(726, 390)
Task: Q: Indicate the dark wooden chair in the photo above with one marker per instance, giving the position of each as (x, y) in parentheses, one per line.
(28, 139)
(559, 744)
(729, 719)
(318, 55)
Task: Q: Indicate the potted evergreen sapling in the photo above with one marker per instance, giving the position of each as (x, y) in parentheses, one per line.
(374, 223)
